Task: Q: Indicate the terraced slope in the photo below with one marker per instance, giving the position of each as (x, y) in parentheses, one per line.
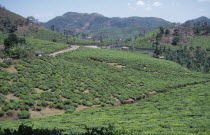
(181, 111)
(87, 78)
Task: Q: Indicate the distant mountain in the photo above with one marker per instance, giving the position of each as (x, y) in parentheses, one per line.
(96, 23)
(202, 20)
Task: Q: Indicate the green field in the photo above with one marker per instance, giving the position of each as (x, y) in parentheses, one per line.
(203, 42)
(88, 77)
(181, 111)
(46, 46)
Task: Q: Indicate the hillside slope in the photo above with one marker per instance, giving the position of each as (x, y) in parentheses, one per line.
(201, 20)
(86, 78)
(181, 111)
(9, 21)
(83, 22)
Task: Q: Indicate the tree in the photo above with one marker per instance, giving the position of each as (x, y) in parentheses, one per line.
(10, 41)
(167, 31)
(30, 20)
(176, 32)
(17, 47)
(52, 27)
(175, 41)
(161, 30)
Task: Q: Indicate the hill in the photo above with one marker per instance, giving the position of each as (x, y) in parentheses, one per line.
(180, 107)
(83, 22)
(9, 21)
(201, 20)
(85, 78)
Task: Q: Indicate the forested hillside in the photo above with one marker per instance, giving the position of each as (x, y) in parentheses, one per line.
(96, 25)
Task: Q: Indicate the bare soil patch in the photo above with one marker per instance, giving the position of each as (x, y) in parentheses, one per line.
(86, 91)
(62, 98)
(82, 107)
(38, 90)
(10, 69)
(108, 63)
(11, 96)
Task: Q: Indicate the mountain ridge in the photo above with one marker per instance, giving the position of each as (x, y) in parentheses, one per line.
(201, 19)
(89, 22)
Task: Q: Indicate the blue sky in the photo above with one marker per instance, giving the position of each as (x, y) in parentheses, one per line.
(171, 10)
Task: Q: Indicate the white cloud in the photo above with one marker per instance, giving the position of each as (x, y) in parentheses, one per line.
(203, 0)
(140, 3)
(129, 4)
(157, 4)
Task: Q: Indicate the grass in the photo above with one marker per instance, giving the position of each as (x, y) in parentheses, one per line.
(46, 46)
(203, 42)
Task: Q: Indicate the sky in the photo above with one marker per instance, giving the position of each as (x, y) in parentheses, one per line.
(170, 10)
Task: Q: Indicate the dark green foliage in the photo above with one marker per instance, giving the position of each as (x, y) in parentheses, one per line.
(11, 41)
(28, 130)
(70, 109)
(9, 113)
(175, 40)
(167, 31)
(38, 108)
(16, 47)
(4, 65)
(1, 113)
(161, 30)
(23, 115)
(193, 58)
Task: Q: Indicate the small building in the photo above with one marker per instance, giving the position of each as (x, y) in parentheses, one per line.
(161, 57)
(38, 53)
(125, 48)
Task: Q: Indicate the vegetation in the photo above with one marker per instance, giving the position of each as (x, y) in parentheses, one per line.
(179, 111)
(169, 98)
(85, 77)
(192, 58)
(28, 130)
(99, 25)
(16, 47)
(9, 21)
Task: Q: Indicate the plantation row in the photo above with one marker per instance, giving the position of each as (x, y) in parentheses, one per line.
(74, 78)
(181, 111)
(46, 46)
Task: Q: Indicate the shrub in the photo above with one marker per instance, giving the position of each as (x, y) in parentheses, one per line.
(4, 65)
(38, 108)
(69, 111)
(23, 115)
(89, 103)
(5, 108)
(10, 113)
(1, 113)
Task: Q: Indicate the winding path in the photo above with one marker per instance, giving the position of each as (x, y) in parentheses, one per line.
(73, 47)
